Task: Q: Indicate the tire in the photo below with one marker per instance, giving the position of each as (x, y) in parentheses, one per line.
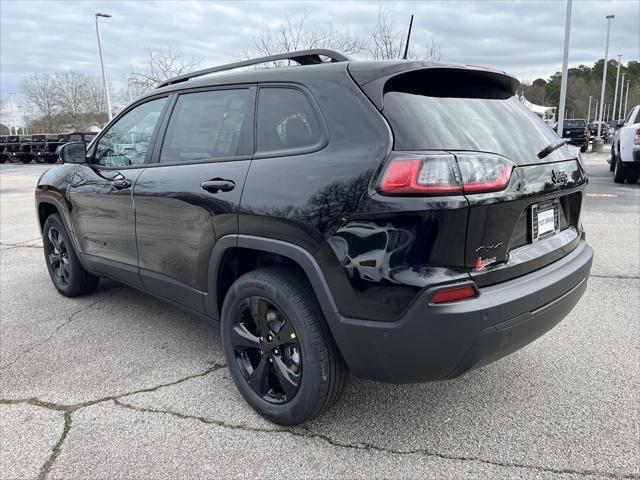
(284, 303)
(52, 159)
(584, 147)
(65, 270)
(633, 173)
(25, 159)
(620, 171)
(40, 159)
(612, 162)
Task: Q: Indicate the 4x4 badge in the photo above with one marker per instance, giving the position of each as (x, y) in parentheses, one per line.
(558, 176)
(481, 263)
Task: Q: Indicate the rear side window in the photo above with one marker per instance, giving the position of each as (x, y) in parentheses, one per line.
(205, 125)
(286, 121)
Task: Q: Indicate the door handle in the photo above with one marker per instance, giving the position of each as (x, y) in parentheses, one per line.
(122, 183)
(218, 185)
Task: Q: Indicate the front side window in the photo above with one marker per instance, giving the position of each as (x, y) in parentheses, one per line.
(206, 125)
(126, 142)
(286, 121)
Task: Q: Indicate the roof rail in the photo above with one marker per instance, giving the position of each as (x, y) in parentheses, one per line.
(303, 57)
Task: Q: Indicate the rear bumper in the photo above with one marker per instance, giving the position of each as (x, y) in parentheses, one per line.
(435, 342)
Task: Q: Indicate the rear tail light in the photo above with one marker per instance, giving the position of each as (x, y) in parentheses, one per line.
(636, 139)
(444, 174)
(586, 132)
(453, 294)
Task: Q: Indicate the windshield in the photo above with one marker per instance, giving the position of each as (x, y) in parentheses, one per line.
(576, 124)
(506, 127)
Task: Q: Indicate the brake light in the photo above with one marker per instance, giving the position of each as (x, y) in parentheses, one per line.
(445, 174)
(432, 174)
(636, 139)
(453, 294)
(586, 132)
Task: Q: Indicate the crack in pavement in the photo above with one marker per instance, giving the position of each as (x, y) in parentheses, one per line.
(616, 276)
(116, 399)
(70, 409)
(372, 447)
(59, 327)
(21, 244)
(57, 448)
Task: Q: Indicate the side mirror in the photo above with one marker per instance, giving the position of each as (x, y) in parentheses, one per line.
(74, 152)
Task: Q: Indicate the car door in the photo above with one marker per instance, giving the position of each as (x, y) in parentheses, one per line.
(188, 198)
(102, 209)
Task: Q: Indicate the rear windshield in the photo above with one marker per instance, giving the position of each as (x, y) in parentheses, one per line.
(506, 127)
(577, 124)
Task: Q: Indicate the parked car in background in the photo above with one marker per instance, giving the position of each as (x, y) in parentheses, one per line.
(335, 216)
(14, 148)
(625, 149)
(44, 146)
(593, 131)
(3, 148)
(575, 129)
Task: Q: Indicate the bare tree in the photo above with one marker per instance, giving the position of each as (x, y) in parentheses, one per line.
(71, 88)
(95, 102)
(387, 41)
(40, 91)
(5, 116)
(161, 64)
(292, 35)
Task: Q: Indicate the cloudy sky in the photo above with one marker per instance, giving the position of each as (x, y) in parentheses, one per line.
(524, 38)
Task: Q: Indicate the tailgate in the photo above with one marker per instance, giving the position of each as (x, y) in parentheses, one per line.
(532, 223)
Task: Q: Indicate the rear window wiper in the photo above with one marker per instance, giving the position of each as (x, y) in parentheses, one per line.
(552, 147)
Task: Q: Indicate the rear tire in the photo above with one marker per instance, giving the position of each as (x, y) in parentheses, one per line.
(584, 147)
(620, 171)
(282, 301)
(633, 173)
(65, 269)
(26, 159)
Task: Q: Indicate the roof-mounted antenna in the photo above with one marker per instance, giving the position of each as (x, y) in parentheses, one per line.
(406, 47)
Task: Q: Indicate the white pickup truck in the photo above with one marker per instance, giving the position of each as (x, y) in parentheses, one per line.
(625, 150)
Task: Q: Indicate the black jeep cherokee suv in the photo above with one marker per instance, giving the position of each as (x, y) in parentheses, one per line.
(405, 221)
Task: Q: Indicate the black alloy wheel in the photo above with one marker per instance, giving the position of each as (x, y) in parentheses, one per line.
(267, 350)
(278, 347)
(58, 256)
(63, 265)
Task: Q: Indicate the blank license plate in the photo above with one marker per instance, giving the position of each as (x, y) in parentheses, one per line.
(544, 220)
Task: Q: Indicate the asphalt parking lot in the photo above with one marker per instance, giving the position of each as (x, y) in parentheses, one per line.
(120, 385)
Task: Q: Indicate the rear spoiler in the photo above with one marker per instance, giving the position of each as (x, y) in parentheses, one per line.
(432, 79)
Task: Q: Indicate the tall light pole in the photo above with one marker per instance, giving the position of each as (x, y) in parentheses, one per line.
(598, 138)
(13, 116)
(589, 112)
(615, 95)
(626, 100)
(621, 90)
(565, 61)
(104, 76)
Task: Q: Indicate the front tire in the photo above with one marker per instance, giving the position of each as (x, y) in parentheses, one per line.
(612, 162)
(278, 347)
(65, 269)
